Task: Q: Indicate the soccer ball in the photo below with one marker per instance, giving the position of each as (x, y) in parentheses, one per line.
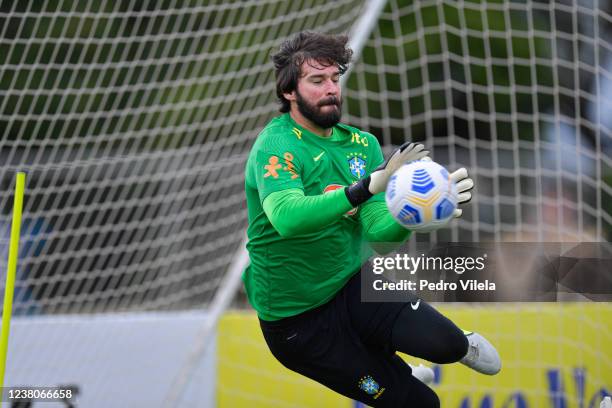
(421, 196)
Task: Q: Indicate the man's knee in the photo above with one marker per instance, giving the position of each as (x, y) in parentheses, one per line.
(428, 399)
(433, 402)
(417, 394)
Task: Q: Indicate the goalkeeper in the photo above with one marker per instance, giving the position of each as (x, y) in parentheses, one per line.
(313, 188)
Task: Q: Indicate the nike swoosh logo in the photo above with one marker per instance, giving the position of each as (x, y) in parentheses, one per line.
(316, 158)
(292, 336)
(415, 305)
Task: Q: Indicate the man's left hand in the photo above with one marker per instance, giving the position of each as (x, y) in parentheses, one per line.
(464, 188)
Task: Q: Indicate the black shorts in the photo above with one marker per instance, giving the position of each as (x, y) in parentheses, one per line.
(346, 346)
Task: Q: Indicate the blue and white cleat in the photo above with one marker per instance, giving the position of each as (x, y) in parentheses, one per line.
(606, 403)
(481, 355)
(423, 373)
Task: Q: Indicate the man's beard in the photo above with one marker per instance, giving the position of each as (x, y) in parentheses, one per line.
(314, 112)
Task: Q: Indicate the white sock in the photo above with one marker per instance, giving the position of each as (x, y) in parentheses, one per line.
(422, 373)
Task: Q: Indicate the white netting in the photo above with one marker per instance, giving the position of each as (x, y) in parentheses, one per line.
(133, 120)
(518, 92)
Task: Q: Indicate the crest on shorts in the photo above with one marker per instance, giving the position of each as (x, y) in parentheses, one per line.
(357, 164)
(370, 386)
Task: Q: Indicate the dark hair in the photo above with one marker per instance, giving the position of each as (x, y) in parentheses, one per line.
(303, 46)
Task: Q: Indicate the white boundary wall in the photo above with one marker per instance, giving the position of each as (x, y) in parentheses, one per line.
(125, 360)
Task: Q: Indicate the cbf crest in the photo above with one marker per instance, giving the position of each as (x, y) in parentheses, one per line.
(357, 164)
(370, 387)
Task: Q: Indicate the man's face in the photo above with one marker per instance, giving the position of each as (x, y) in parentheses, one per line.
(318, 95)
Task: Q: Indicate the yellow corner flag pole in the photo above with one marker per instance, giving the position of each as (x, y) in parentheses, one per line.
(10, 273)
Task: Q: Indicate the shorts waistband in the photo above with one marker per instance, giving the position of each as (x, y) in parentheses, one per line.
(272, 325)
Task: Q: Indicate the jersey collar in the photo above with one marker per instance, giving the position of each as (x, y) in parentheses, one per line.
(339, 134)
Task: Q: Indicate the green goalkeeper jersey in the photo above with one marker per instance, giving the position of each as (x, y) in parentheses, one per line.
(289, 275)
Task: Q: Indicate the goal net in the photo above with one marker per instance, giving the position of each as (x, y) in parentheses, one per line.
(517, 92)
(132, 120)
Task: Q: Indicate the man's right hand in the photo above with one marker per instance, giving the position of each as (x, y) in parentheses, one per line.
(406, 153)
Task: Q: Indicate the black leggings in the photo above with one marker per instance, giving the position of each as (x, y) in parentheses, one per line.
(427, 334)
(344, 342)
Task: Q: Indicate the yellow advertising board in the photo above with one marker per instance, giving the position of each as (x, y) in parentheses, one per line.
(555, 355)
